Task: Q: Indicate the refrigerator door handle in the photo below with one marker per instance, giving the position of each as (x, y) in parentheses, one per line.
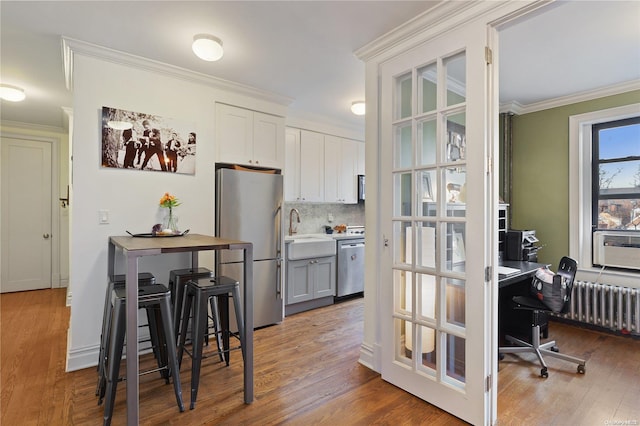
(279, 278)
(279, 231)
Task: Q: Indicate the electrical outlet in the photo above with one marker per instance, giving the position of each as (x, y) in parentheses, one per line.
(330, 218)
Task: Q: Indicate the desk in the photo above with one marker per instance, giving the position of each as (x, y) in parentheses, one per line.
(527, 270)
(515, 323)
(133, 248)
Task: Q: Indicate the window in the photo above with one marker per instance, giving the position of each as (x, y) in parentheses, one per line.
(581, 189)
(615, 175)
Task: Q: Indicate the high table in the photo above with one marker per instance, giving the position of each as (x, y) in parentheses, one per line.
(134, 248)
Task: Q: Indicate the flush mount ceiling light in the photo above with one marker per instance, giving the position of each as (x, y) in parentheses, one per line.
(207, 47)
(357, 107)
(11, 93)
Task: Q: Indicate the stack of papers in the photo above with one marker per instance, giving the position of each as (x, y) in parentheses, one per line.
(503, 270)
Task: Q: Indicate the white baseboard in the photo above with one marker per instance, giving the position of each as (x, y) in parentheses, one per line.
(367, 357)
(80, 358)
(85, 357)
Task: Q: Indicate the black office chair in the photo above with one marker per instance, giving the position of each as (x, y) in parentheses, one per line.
(567, 272)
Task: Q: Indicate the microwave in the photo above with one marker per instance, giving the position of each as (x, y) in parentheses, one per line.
(360, 187)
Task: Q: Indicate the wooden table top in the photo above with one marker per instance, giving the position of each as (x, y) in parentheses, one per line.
(189, 242)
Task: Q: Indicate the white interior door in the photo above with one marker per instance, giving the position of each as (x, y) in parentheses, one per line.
(26, 215)
(435, 198)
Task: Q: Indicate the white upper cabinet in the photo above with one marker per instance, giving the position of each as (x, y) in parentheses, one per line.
(340, 159)
(332, 166)
(291, 164)
(360, 164)
(321, 167)
(311, 166)
(249, 137)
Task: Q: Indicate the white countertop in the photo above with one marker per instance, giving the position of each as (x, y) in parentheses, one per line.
(334, 236)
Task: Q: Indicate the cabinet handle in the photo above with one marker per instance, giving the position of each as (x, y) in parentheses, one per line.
(250, 162)
(257, 162)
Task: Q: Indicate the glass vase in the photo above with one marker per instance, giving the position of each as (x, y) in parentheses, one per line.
(172, 222)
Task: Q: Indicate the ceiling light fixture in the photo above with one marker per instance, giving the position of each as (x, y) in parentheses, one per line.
(207, 47)
(11, 93)
(357, 107)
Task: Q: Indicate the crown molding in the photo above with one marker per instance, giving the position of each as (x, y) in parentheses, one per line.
(616, 89)
(31, 127)
(429, 19)
(72, 47)
(323, 124)
(430, 24)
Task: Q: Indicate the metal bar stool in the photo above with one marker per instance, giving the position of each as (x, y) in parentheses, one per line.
(148, 296)
(178, 279)
(207, 291)
(118, 281)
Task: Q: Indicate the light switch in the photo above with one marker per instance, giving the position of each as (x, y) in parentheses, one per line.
(103, 217)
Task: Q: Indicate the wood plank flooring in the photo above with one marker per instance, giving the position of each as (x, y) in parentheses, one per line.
(306, 373)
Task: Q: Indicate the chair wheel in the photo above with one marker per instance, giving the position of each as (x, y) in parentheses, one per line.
(581, 369)
(555, 349)
(500, 357)
(544, 373)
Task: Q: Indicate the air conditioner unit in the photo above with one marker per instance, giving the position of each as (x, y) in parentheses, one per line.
(616, 249)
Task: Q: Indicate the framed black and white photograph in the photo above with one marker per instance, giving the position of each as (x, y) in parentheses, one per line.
(456, 142)
(147, 142)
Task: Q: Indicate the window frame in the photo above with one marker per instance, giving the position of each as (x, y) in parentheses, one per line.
(596, 162)
(580, 198)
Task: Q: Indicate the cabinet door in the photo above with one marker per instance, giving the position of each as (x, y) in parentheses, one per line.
(299, 281)
(268, 140)
(292, 165)
(325, 277)
(348, 182)
(234, 134)
(360, 166)
(332, 168)
(311, 166)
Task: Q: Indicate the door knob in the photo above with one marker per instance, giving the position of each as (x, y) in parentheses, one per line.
(45, 236)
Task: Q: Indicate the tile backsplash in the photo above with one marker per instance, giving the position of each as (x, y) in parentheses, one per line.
(315, 216)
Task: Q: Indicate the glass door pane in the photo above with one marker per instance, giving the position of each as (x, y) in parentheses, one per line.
(428, 87)
(456, 67)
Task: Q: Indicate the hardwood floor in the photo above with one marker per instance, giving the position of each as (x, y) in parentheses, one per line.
(306, 372)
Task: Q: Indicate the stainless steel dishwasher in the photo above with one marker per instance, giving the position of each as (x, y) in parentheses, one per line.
(350, 266)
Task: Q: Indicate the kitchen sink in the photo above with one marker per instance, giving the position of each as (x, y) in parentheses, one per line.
(310, 246)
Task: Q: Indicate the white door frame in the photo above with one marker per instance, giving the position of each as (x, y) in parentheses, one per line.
(55, 194)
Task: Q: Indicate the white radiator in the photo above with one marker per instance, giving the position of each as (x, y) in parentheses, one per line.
(613, 307)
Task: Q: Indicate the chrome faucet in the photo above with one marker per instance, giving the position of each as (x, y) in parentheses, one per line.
(293, 230)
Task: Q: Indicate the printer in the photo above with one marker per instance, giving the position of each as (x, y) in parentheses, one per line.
(520, 245)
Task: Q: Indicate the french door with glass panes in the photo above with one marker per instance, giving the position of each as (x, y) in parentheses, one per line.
(435, 304)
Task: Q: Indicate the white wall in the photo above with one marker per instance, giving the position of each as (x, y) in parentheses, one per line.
(132, 196)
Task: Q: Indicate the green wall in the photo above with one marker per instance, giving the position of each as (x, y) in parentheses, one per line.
(540, 198)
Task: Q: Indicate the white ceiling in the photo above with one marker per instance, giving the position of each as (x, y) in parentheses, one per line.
(304, 49)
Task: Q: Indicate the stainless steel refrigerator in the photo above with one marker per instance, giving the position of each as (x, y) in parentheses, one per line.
(249, 208)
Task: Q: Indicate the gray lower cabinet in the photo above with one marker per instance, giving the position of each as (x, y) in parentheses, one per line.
(310, 283)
